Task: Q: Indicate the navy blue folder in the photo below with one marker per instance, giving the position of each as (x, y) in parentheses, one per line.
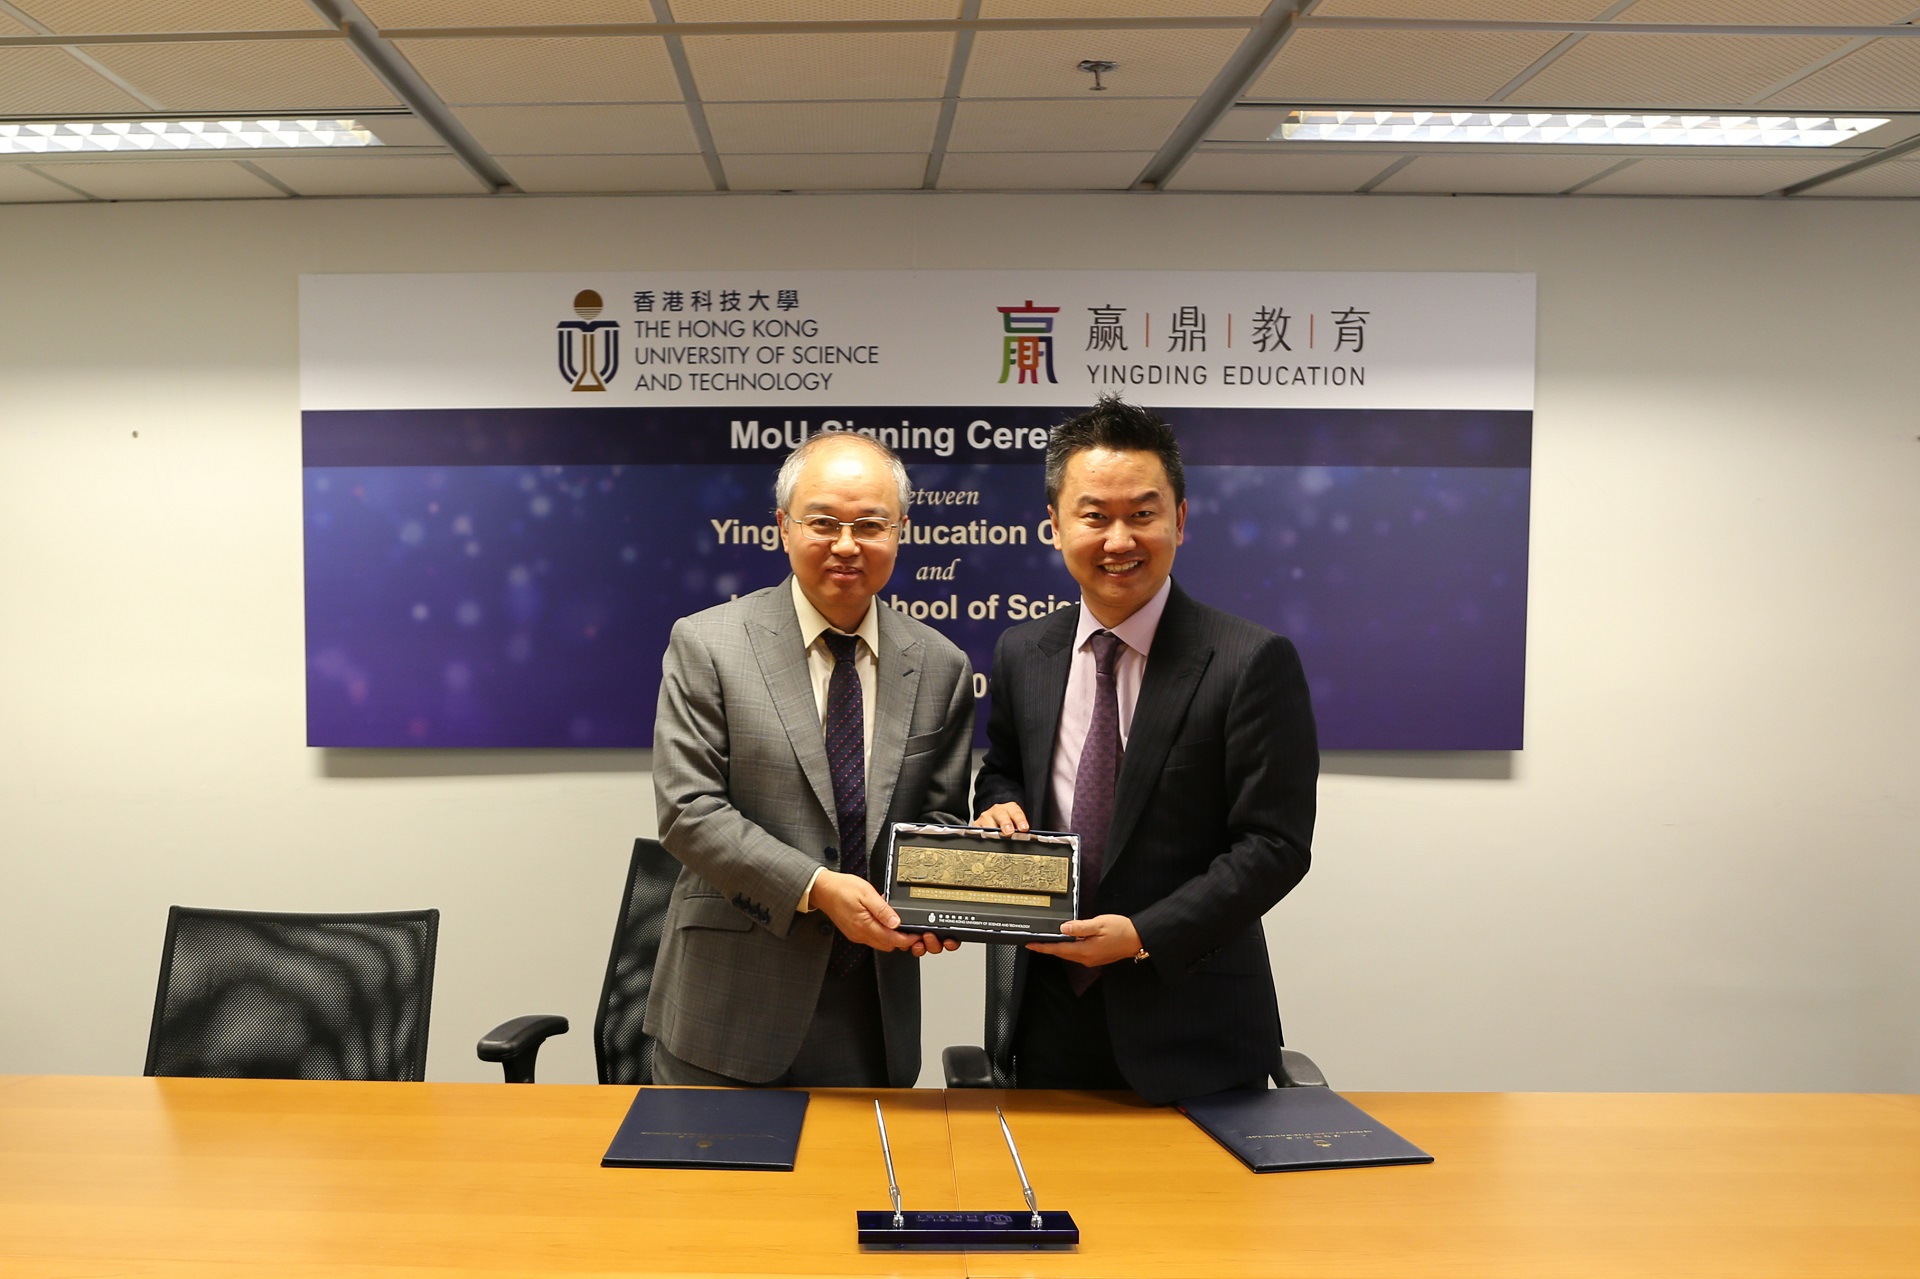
(710, 1128)
(1288, 1129)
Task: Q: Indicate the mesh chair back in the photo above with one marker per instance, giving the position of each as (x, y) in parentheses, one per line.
(1002, 970)
(622, 1050)
(256, 995)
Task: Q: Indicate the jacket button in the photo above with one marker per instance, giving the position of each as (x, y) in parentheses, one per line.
(826, 926)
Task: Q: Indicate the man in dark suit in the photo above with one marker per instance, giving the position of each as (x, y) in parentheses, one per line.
(795, 725)
(1178, 741)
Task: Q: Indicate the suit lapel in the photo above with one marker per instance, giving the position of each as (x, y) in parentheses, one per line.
(774, 632)
(896, 686)
(1174, 667)
(1053, 660)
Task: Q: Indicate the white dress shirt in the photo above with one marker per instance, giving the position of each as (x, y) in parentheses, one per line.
(820, 664)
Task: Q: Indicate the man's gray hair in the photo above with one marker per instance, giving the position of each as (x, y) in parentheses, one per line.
(783, 483)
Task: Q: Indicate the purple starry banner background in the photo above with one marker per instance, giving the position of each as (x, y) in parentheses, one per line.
(496, 549)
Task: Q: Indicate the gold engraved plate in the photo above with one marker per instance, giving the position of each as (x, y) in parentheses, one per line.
(972, 868)
(974, 895)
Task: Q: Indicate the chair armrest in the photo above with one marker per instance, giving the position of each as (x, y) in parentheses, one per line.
(966, 1066)
(515, 1044)
(1298, 1071)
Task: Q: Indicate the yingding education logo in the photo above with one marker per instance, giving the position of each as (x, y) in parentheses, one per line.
(589, 346)
(1026, 345)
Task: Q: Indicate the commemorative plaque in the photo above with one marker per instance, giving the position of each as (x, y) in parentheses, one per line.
(975, 884)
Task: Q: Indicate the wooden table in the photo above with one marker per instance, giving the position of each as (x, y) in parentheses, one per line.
(147, 1177)
(1527, 1185)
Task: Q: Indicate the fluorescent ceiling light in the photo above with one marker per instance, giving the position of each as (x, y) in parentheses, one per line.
(87, 136)
(1553, 128)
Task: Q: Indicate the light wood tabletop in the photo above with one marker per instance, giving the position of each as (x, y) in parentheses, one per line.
(1527, 1185)
(178, 1177)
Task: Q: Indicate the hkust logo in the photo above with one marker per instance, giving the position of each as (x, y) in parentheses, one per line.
(1026, 346)
(589, 346)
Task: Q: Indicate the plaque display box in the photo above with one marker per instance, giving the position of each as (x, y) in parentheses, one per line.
(972, 883)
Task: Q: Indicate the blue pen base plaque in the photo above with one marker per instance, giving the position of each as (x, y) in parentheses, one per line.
(968, 1231)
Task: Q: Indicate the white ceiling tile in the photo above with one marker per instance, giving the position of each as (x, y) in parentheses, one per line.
(1244, 171)
(1669, 71)
(474, 72)
(1786, 13)
(1469, 10)
(52, 82)
(589, 174)
(804, 67)
(504, 13)
(588, 130)
(1496, 174)
(164, 179)
(825, 172)
(1046, 64)
(838, 127)
(1885, 75)
(255, 75)
(18, 185)
(1247, 124)
(1892, 177)
(107, 17)
(1121, 8)
(374, 175)
(1095, 124)
(813, 10)
(1440, 68)
(1703, 175)
(401, 130)
(8, 27)
(1043, 171)
(825, 111)
(1745, 12)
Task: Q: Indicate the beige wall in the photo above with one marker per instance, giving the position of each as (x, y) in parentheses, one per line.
(1700, 874)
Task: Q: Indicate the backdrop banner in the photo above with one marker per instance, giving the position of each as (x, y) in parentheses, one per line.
(514, 484)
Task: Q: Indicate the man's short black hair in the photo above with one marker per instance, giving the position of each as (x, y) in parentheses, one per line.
(1114, 424)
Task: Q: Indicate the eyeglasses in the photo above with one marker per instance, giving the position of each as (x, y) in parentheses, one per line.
(824, 528)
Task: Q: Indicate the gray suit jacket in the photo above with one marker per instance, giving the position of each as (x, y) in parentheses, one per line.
(746, 803)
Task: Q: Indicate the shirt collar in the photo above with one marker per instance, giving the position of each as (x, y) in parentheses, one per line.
(1136, 632)
(812, 623)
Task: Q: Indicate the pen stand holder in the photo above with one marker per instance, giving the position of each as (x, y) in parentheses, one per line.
(968, 1231)
(964, 1231)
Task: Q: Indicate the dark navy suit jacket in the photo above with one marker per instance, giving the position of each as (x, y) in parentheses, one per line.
(1212, 824)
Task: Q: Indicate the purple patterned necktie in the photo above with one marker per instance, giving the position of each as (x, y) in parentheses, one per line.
(1094, 784)
(847, 763)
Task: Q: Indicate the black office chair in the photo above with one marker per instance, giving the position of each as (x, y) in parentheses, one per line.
(971, 1066)
(622, 1051)
(260, 995)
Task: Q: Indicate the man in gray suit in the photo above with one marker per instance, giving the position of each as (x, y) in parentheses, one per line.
(795, 725)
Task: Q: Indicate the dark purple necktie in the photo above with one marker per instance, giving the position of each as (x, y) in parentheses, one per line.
(1094, 784)
(847, 763)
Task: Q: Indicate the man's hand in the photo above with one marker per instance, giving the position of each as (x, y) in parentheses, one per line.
(928, 944)
(1100, 940)
(1007, 818)
(859, 911)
